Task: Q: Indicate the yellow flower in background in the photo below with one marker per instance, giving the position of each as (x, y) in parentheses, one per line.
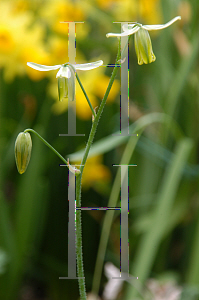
(20, 6)
(148, 11)
(6, 40)
(58, 49)
(22, 37)
(101, 83)
(95, 173)
(35, 50)
(95, 86)
(83, 110)
(35, 54)
(54, 12)
(8, 36)
(18, 39)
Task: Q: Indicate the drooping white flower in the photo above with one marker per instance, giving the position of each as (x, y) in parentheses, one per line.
(143, 45)
(66, 76)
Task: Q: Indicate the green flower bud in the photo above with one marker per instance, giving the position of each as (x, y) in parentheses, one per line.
(23, 146)
(143, 47)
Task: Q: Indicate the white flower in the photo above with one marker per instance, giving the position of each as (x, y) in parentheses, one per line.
(66, 76)
(142, 39)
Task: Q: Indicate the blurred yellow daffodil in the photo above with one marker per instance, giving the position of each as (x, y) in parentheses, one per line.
(96, 174)
(143, 46)
(20, 37)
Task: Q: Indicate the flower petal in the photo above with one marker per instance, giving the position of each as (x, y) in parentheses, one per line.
(127, 27)
(125, 33)
(157, 27)
(71, 85)
(143, 47)
(64, 72)
(42, 67)
(66, 83)
(88, 66)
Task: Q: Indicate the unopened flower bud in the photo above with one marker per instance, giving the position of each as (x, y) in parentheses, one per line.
(23, 147)
(143, 47)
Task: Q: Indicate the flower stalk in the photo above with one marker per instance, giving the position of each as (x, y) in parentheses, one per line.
(78, 172)
(79, 254)
(66, 90)
(66, 162)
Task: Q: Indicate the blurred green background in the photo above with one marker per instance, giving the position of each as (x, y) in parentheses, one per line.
(163, 188)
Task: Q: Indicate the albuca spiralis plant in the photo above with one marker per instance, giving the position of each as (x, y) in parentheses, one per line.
(67, 74)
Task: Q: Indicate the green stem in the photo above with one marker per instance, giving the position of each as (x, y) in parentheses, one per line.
(83, 90)
(47, 144)
(80, 268)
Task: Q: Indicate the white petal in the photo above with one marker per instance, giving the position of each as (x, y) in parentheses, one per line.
(64, 72)
(125, 33)
(88, 66)
(127, 27)
(42, 67)
(157, 27)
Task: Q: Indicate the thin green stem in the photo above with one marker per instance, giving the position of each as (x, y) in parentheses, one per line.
(83, 90)
(47, 144)
(100, 110)
(80, 268)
